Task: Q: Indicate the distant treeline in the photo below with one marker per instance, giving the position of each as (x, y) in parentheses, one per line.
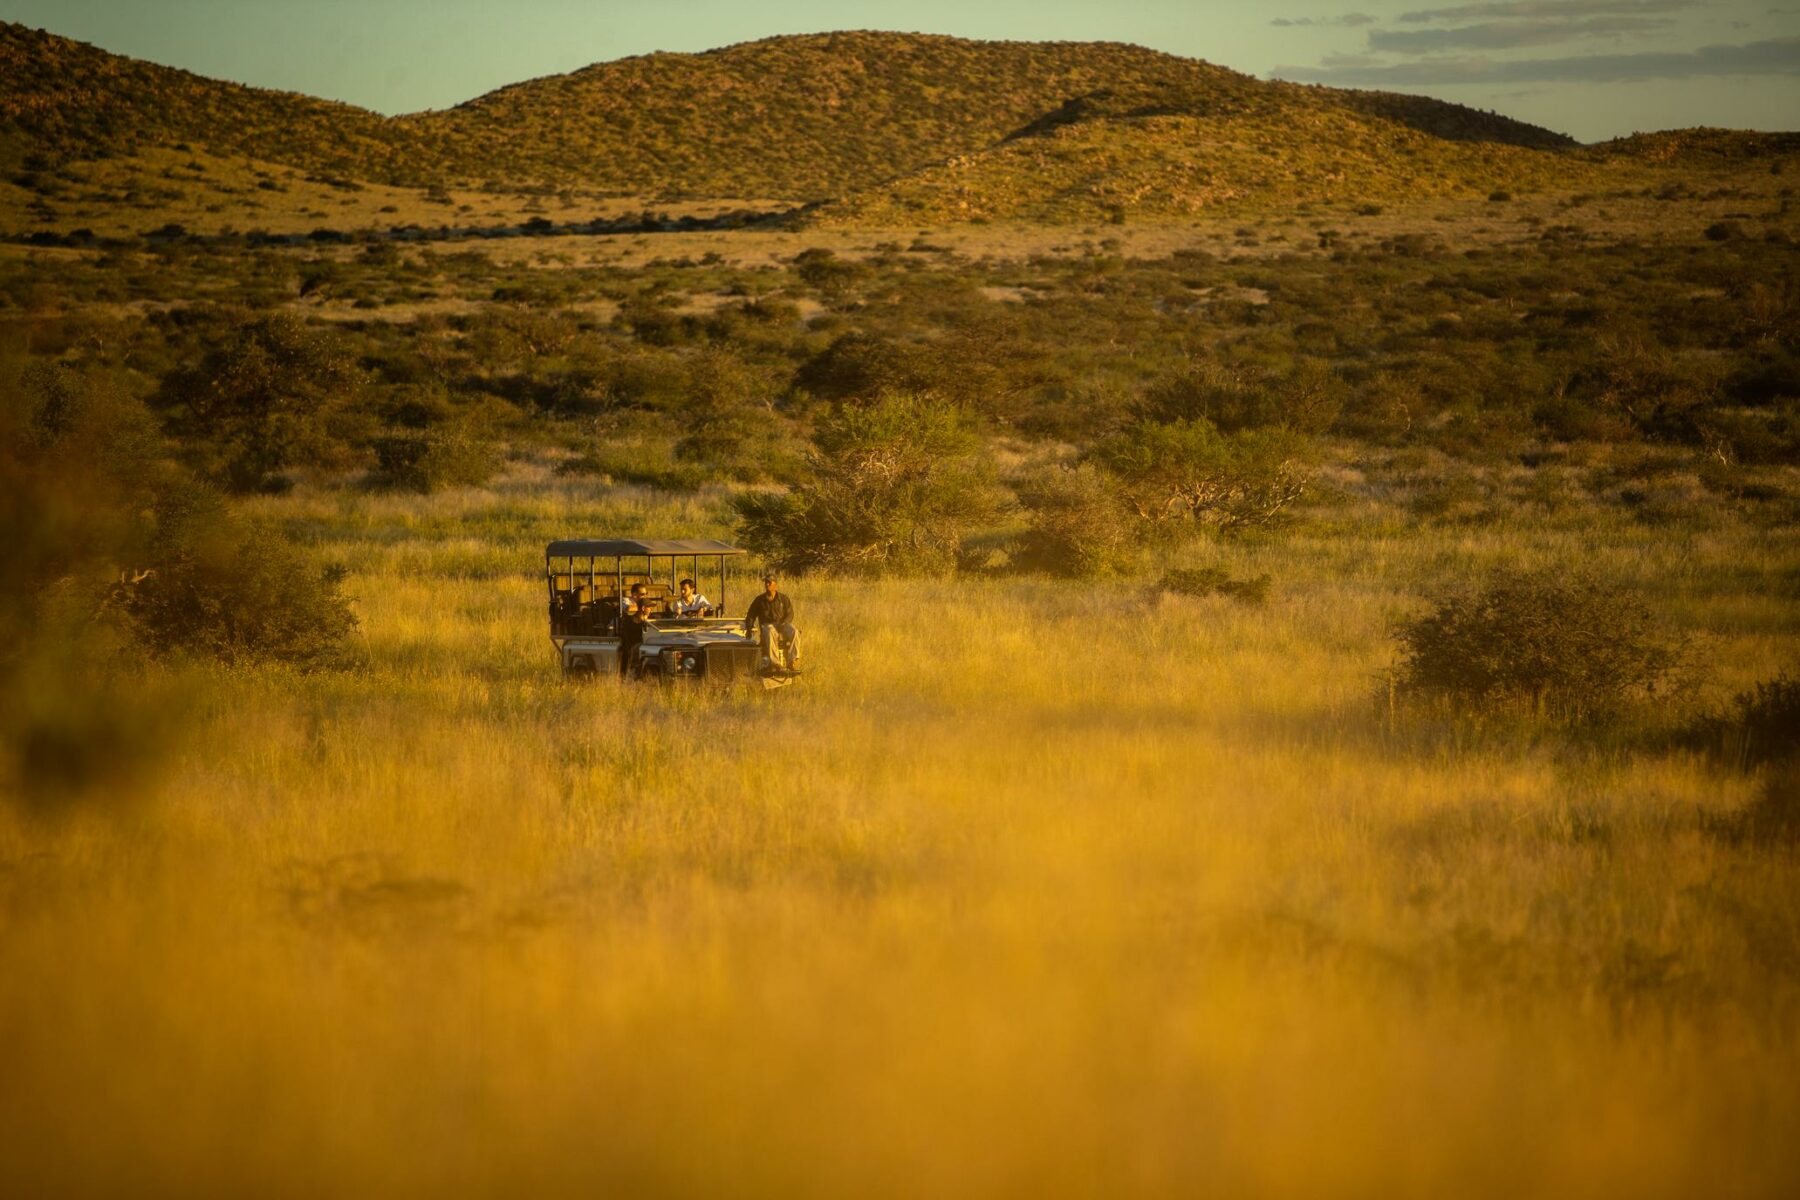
(644, 222)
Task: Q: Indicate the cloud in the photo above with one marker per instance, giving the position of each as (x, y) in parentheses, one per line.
(1351, 20)
(1775, 56)
(1547, 9)
(1504, 35)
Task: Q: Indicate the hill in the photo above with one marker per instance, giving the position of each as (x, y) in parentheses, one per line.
(807, 117)
(867, 128)
(819, 116)
(1179, 152)
(1702, 147)
(64, 101)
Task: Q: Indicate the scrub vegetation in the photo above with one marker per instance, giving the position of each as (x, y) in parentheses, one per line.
(1300, 699)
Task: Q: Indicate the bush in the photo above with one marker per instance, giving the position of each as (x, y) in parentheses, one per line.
(1188, 470)
(1306, 400)
(115, 551)
(1632, 386)
(431, 442)
(896, 485)
(978, 373)
(1769, 715)
(1773, 818)
(271, 393)
(1570, 646)
(1079, 525)
(1214, 581)
(1763, 726)
(822, 269)
(732, 429)
(246, 597)
(202, 581)
(426, 461)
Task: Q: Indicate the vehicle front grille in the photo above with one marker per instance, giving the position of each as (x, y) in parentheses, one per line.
(724, 663)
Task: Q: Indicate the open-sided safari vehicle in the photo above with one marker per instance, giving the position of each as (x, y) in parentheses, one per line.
(590, 582)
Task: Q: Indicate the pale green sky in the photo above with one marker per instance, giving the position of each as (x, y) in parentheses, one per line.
(1592, 68)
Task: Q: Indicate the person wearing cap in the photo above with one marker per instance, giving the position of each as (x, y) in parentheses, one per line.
(774, 612)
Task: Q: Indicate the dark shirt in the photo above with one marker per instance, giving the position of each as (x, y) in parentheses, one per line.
(778, 610)
(631, 636)
(631, 626)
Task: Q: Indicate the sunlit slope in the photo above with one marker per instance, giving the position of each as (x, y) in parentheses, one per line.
(818, 116)
(64, 100)
(1184, 163)
(1704, 146)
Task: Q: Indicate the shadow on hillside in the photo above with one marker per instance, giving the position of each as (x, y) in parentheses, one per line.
(1437, 118)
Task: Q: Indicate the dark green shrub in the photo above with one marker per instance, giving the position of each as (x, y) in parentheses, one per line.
(1763, 725)
(1306, 400)
(431, 441)
(822, 269)
(114, 550)
(1188, 470)
(895, 485)
(1209, 390)
(640, 463)
(1773, 818)
(978, 374)
(1383, 409)
(424, 461)
(1215, 581)
(252, 598)
(1079, 524)
(644, 379)
(1769, 715)
(732, 427)
(1567, 645)
(271, 393)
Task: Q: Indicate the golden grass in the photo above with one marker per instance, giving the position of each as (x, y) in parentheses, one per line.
(1028, 888)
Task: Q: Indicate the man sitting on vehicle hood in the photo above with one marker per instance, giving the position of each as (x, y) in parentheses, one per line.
(775, 612)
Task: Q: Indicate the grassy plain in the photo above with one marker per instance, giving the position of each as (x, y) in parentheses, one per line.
(1030, 887)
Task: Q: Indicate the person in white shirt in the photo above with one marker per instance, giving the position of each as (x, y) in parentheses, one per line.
(691, 603)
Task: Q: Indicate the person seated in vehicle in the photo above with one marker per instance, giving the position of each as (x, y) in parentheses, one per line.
(632, 623)
(774, 612)
(691, 603)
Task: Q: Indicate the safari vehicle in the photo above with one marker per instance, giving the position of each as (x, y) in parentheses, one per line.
(589, 582)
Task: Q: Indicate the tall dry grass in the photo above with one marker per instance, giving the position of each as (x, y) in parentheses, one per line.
(1028, 888)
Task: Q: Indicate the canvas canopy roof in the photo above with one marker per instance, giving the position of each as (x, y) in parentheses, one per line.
(652, 547)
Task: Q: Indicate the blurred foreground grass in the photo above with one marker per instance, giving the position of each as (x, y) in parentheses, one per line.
(1028, 888)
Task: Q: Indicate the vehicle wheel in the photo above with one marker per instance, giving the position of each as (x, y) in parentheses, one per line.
(579, 671)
